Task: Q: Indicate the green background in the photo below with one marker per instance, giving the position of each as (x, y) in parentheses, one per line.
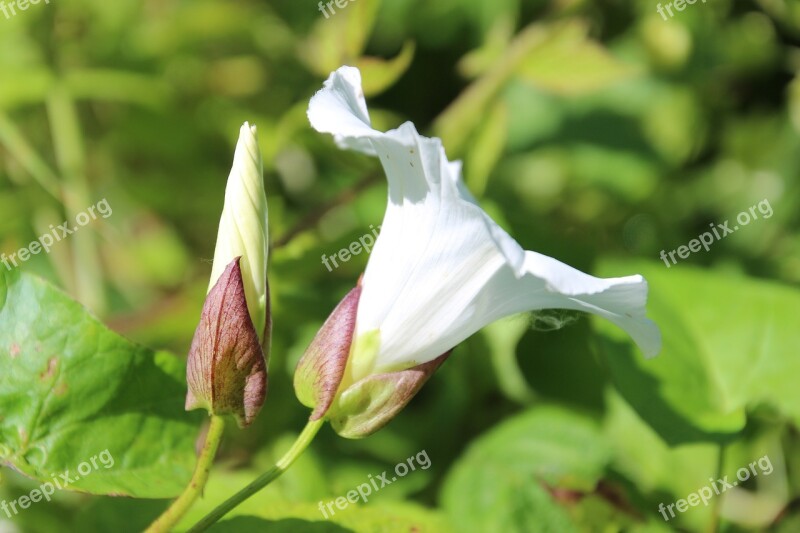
(594, 132)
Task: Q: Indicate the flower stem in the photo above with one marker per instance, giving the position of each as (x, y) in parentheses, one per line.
(179, 507)
(283, 464)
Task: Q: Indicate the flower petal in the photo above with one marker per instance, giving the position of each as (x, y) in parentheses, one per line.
(339, 108)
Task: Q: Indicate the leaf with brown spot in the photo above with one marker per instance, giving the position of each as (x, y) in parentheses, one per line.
(81, 388)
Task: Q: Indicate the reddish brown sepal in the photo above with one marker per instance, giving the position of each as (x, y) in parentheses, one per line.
(319, 372)
(226, 369)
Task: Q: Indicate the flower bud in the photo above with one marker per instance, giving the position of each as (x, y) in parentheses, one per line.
(227, 364)
(356, 405)
(243, 227)
(226, 369)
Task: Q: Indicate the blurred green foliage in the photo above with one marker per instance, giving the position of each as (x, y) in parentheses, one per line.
(595, 132)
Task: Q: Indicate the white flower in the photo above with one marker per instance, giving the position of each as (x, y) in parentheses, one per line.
(243, 228)
(441, 268)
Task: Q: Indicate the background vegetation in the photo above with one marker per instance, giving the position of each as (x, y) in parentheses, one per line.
(595, 132)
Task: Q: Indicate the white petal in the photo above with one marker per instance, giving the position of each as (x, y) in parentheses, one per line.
(339, 108)
(441, 268)
(550, 284)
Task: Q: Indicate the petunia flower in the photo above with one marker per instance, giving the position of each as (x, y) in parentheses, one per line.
(440, 270)
(227, 363)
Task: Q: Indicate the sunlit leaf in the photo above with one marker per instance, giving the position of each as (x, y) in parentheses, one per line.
(71, 389)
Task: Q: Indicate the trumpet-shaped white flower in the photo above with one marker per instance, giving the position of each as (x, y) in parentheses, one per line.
(441, 268)
(243, 229)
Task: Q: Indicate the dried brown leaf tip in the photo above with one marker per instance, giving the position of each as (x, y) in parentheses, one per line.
(226, 369)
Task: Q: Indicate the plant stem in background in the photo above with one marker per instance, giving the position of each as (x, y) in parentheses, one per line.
(180, 506)
(299, 446)
(19, 147)
(717, 505)
(70, 155)
(314, 217)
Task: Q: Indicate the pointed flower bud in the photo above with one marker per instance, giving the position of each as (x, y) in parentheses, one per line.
(227, 365)
(243, 229)
(326, 378)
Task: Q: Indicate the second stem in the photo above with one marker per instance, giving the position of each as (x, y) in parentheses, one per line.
(283, 464)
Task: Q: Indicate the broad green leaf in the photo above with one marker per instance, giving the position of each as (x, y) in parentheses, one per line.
(730, 343)
(499, 484)
(71, 389)
(568, 62)
(658, 472)
(294, 502)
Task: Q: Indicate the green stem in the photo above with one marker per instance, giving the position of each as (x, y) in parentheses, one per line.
(179, 507)
(18, 146)
(302, 442)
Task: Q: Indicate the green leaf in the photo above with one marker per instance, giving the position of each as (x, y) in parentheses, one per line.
(658, 472)
(71, 389)
(118, 86)
(555, 57)
(340, 38)
(307, 518)
(379, 74)
(568, 62)
(460, 120)
(478, 61)
(730, 343)
(488, 148)
(502, 338)
(499, 484)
